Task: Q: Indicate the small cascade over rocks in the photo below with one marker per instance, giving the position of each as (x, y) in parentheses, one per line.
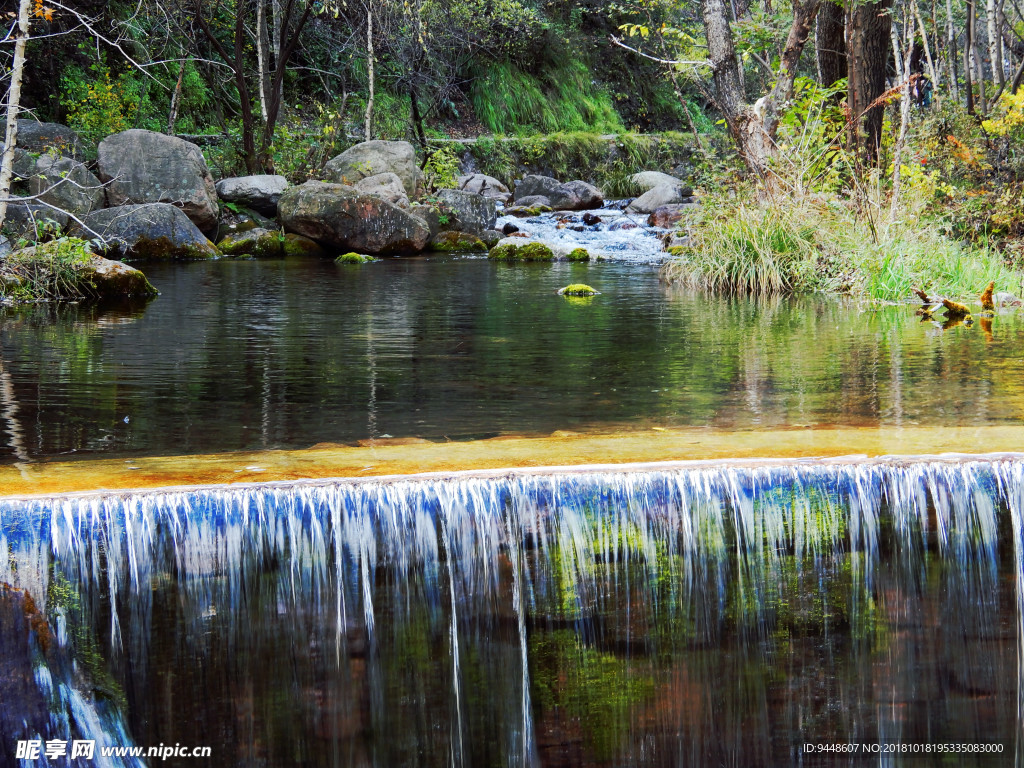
(606, 233)
(625, 613)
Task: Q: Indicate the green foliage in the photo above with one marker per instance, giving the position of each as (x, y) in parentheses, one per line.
(47, 271)
(508, 99)
(98, 103)
(441, 169)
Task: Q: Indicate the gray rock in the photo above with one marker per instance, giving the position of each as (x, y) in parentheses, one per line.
(147, 167)
(373, 157)
(669, 215)
(148, 231)
(23, 168)
(655, 198)
(532, 201)
(34, 136)
(260, 193)
(645, 181)
(386, 186)
(25, 220)
(571, 196)
(337, 216)
(467, 211)
(66, 184)
(491, 237)
(485, 186)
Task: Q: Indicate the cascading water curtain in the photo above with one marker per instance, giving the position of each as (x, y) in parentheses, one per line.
(669, 615)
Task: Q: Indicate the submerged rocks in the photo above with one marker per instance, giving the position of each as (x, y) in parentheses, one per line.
(153, 231)
(337, 216)
(536, 190)
(146, 167)
(485, 186)
(375, 157)
(518, 249)
(261, 193)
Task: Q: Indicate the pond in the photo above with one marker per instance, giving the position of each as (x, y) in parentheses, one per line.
(247, 355)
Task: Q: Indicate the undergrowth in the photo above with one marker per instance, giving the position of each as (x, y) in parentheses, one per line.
(749, 245)
(50, 270)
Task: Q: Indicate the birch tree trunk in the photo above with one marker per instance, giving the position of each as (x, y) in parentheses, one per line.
(368, 132)
(951, 50)
(995, 49)
(13, 107)
(262, 55)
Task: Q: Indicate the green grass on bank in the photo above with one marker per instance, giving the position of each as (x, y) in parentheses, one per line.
(741, 244)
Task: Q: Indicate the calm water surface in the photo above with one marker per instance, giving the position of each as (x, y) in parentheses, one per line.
(271, 354)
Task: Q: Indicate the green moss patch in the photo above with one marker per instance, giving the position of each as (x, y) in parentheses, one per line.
(354, 258)
(528, 251)
(578, 289)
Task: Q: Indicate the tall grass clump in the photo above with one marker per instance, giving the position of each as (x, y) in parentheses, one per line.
(747, 244)
(509, 100)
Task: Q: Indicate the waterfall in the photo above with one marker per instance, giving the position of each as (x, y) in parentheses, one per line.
(658, 615)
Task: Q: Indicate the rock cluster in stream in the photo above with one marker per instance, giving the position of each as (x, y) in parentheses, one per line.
(152, 196)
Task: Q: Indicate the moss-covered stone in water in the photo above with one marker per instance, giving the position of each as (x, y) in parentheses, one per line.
(578, 254)
(354, 258)
(526, 252)
(259, 242)
(297, 245)
(578, 289)
(457, 242)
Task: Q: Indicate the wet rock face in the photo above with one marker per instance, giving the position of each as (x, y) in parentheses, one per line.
(338, 217)
(467, 212)
(375, 157)
(18, 686)
(155, 231)
(261, 193)
(146, 167)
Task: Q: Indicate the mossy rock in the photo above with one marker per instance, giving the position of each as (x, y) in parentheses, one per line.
(526, 212)
(297, 245)
(578, 254)
(578, 289)
(528, 251)
(260, 243)
(354, 258)
(457, 242)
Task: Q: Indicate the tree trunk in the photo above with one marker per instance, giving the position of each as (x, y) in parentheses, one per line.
(995, 50)
(830, 42)
(172, 116)
(13, 107)
(262, 55)
(968, 78)
(867, 42)
(951, 50)
(368, 132)
(754, 126)
(978, 68)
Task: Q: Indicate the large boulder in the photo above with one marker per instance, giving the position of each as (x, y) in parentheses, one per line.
(34, 136)
(66, 184)
(338, 217)
(466, 211)
(648, 180)
(260, 193)
(259, 243)
(570, 196)
(146, 167)
(485, 186)
(373, 157)
(650, 201)
(386, 186)
(148, 231)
